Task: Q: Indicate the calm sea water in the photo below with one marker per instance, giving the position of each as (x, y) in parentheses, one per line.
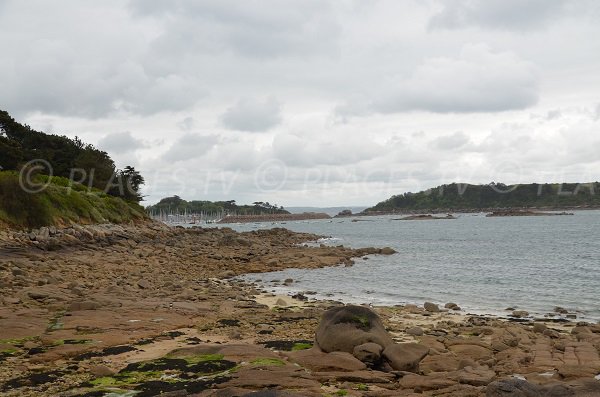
(483, 264)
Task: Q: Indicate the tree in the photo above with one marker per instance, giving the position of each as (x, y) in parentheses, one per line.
(132, 182)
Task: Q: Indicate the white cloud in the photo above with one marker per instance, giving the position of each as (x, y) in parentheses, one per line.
(478, 80)
(190, 146)
(420, 103)
(451, 142)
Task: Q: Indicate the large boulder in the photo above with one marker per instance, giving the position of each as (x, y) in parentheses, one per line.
(345, 327)
(358, 330)
(405, 356)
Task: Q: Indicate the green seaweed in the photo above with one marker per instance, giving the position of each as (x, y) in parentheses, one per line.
(301, 346)
(55, 322)
(203, 358)
(362, 320)
(268, 362)
(127, 378)
(17, 341)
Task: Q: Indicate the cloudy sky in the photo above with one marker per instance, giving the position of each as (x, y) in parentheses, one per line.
(313, 102)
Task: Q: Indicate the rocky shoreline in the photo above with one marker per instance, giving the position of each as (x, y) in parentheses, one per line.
(147, 309)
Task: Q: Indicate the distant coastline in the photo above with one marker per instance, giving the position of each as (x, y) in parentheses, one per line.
(273, 217)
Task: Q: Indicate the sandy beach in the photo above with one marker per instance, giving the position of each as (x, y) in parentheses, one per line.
(147, 309)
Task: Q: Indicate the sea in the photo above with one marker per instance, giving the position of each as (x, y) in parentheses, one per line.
(486, 265)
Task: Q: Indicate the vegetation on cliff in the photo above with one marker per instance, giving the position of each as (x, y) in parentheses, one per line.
(69, 158)
(177, 205)
(462, 196)
(60, 202)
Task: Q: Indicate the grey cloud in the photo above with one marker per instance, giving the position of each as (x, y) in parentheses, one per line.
(296, 151)
(452, 141)
(497, 14)
(120, 142)
(186, 124)
(59, 72)
(252, 115)
(250, 28)
(478, 80)
(553, 114)
(190, 146)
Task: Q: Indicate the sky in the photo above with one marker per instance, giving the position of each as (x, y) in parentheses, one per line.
(312, 102)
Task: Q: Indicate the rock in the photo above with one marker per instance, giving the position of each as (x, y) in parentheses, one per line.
(480, 376)
(539, 328)
(439, 363)
(520, 313)
(143, 284)
(415, 331)
(43, 234)
(387, 251)
(281, 302)
(405, 356)
(271, 393)
(577, 371)
(17, 271)
(369, 353)
(101, 370)
(512, 388)
(413, 309)
(300, 297)
(560, 310)
(431, 307)
(12, 301)
(38, 296)
(288, 281)
(473, 352)
(83, 305)
(317, 360)
(345, 327)
(452, 306)
(421, 383)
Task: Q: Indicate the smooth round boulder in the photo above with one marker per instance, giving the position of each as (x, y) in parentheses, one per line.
(345, 327)
(405, 356)
(431, 307)
(369, 353)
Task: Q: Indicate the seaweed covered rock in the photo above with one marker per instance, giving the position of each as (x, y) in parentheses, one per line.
(345, 327)
(358, 330)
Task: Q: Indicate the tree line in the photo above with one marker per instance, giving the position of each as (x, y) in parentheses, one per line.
(69, 158)
(177, 205)
(457, 196)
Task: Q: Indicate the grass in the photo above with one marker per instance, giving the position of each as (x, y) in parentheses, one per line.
(61, 202)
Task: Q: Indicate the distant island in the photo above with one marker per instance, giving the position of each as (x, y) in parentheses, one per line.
(462, 197)
(424, 217)
(506, 213)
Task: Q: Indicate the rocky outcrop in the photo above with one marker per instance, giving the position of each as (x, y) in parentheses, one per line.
(358, 330)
